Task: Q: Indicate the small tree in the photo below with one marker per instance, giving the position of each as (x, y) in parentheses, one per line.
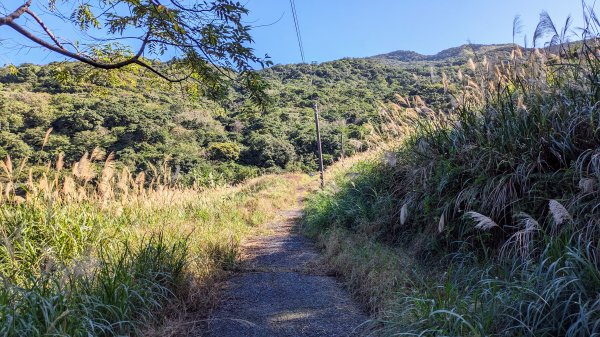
(224, 151)
(209, 36)
(268, 151)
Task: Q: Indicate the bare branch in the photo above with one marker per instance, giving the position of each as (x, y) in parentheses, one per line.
(159, 74)
(44, 27)
(180, 6)
(75, 56)
(16, 14)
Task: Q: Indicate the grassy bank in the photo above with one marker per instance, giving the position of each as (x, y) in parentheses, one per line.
(98, 252)
(484, 220)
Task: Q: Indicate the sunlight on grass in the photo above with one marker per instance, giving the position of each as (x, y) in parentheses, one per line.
(108, 258)
(483, 220)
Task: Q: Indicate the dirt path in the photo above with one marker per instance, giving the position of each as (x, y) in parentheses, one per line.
(282, 289)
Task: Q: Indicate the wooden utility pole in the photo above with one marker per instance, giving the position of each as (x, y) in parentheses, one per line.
(319, 146)
(342, 144)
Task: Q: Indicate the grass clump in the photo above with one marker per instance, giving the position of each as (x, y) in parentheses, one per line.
(99, 252)
(492, 205)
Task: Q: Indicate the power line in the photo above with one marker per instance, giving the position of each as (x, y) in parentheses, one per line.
(316, 108)
(297, 26)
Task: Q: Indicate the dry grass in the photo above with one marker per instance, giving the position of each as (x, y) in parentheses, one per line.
(372, 272)
(76, 238)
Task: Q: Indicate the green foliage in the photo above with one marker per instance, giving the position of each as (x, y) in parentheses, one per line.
(355, 200)
(268, 151)
(133, 283)
(115, 267)
(211, 174)
(211, 40)
(498, 198)
(224, 151)
(144, 121)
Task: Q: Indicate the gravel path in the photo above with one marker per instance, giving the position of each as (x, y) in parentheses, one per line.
(282, 290)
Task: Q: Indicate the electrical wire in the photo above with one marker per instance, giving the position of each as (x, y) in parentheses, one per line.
(297, 26)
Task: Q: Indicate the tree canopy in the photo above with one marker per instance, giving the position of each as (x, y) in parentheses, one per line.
(207, 40)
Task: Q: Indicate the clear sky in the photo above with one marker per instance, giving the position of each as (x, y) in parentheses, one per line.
(333, 29)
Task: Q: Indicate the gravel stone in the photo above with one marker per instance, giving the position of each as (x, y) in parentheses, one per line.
(282, 289)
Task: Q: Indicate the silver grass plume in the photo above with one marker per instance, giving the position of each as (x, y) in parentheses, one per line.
(390, 158)
(559, 214)
(483, 222)
(587, 185)
(472, 64)
(403, 214)
(46, 137)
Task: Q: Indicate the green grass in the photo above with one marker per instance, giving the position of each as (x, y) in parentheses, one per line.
(122, 267)
(521, 151)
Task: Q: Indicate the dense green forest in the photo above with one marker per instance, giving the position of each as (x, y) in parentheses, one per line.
(145, 121)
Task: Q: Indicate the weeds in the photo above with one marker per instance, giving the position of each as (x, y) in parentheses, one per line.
(494, 204)
(97, 251)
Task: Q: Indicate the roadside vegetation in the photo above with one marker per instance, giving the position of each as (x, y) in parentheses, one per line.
(481, 220)
(94, 250)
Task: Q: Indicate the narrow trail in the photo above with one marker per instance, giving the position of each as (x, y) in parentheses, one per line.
(282, 289)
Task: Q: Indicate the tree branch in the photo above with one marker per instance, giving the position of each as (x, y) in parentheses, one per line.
(75, 56)
(159, 74)
(61, 50)
(181, 7)
(16, 14)
(210, 34)
(44, 27)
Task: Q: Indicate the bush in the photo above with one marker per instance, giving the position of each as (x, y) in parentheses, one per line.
(13, 145)
(207, 174)
(268, 151)
(223, 151)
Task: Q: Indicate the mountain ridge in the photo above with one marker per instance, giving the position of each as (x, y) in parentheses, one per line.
(454, 52)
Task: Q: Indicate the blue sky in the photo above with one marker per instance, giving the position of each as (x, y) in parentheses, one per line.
(333, 29)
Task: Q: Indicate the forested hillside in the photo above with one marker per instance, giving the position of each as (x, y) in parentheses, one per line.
(72, 109)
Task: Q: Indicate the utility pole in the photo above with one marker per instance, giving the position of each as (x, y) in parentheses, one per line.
(342, 143)
(319, 145)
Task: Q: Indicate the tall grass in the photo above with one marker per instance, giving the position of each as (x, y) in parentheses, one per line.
(498, 197)
(97, 251)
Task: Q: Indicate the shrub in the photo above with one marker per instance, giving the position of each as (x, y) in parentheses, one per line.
(268, 151)
(224, 151)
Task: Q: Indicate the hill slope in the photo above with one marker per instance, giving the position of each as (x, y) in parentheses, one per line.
(144, 121)
(482, 221)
